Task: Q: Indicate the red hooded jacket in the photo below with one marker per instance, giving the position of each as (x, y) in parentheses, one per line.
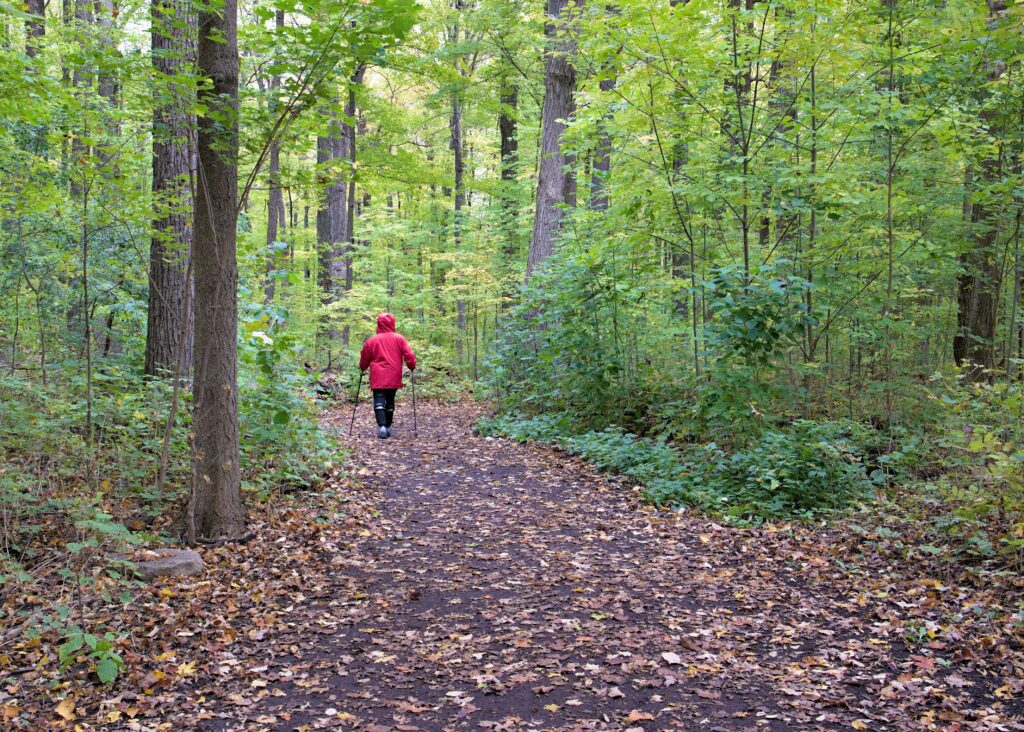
(384, 353)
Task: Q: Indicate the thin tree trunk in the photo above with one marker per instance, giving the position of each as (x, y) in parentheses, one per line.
(42, 328)
(35, 27)
(458, 153)
(335, 219)
(509, 149)
(602, 164)
(86, 317)
(275, 197)
(104, 18)
(979, 282)
(169, 314)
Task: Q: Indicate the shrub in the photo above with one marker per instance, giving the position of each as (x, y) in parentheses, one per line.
(809, 468)
(803, 471)
(281, 439)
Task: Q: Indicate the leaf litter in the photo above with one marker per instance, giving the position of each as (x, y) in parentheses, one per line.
(453, 582)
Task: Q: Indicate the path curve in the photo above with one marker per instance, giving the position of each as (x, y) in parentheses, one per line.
(510, 587)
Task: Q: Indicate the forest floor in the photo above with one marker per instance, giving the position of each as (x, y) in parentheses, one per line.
(457, 582)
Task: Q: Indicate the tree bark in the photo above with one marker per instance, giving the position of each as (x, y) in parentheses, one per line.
(602, 164)
(507, 130)
(275, 196)
(978, 284)
(458, 154)
(335, 219)
(331, 217)
(104, 19)
(169, 318)
(216, 508)
(555, 187)
(978, 290)
(35, 27)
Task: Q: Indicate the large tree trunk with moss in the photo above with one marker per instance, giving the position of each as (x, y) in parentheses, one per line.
(555, 186)
(216, 509)
(169, 323)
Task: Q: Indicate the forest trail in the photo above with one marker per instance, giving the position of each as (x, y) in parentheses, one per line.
(510, 587)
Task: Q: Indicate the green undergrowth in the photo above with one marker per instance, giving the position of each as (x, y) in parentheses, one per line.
(809, 469)
(79, 480)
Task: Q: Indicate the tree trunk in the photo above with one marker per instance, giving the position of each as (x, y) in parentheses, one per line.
(509, 169)
(168, 320)
(602, 162)
(334, 220)
(216, 508)
(275, 197)
(353, 129)
(104, 19)
(978, 284)
(738, 126)
(978, 290)
(602, 159)
(35, 27)
(555, 187)
(458, 154)
(331, 218)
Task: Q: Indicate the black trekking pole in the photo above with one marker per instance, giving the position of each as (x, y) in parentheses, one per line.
(415, 425)
(359, 385)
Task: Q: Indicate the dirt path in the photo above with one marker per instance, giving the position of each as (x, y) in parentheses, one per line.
(450, 582)
(508, 587)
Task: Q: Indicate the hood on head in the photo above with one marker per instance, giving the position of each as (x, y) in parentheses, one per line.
(385, 323)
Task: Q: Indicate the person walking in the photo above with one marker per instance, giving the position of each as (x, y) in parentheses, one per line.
(383, 354)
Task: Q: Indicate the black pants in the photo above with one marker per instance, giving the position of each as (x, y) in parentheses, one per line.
(384, 406)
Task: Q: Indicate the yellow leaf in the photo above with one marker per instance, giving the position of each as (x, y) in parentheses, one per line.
(114, 716)
(187, 669)
(66, 709)
(858, 724)
(552, 707)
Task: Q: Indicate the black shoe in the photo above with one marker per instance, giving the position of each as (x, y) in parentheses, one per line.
(383, 433)
(389, 431)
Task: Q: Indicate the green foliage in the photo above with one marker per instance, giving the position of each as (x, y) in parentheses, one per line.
(579, 342)
(541, 428)
(282, 441)
(808, 469)
(755, 317)
(98, 651)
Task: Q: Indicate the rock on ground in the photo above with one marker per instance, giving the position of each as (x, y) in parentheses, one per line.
(170, 563)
